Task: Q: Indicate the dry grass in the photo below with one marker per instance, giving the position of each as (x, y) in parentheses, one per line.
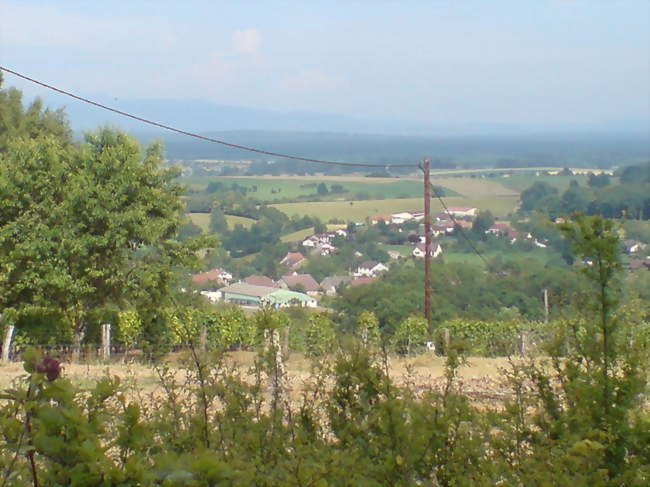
(479, 378)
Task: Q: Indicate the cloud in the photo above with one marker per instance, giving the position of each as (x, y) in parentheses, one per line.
(247, 41)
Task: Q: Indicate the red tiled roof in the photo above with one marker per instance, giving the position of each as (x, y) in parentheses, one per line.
(293, 258)
(360, 281)
(204, 277)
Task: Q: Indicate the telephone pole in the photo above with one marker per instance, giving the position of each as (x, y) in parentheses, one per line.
(426, 168)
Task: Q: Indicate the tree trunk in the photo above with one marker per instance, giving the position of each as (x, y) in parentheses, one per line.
(6, 343)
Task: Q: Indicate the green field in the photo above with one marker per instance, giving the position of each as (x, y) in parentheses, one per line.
(283, 188)
(358, 210)
(475, 187)
(542, 255)
(203, 221)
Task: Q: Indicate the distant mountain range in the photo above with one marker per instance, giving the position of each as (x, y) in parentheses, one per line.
(206, 116)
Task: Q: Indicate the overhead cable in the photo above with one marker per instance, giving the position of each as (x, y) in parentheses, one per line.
(198, 136)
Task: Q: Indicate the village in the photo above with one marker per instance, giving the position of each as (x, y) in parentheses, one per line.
(295, 288)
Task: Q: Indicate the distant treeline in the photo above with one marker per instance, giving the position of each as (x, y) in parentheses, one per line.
(629, 197)
(597, 151)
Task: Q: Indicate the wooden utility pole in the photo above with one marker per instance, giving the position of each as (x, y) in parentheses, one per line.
(426, 168)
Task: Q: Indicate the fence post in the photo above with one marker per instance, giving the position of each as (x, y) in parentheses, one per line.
(106, 341)
(523, 342)
(203, 339)
(446, 340)
(6, 344)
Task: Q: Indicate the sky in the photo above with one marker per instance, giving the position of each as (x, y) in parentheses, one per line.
(539, 63)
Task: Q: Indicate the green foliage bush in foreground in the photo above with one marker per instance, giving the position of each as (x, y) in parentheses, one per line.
(575, 415)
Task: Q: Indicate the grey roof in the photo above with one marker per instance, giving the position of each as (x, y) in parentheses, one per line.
(305, 280)
(334, 281)
(248, 289)
(369, 264)
(261, 281)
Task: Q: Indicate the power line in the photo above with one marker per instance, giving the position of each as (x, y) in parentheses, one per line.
(241, 147)
(198, 136)
(460, 228)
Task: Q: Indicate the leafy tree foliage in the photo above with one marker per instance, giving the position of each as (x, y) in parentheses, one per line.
(85, 226)
(483, 221)
(16, 121)
(630, 199)
(531, 197)
(218, 222)
(410, 334)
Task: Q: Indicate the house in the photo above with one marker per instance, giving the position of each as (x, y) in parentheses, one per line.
(394, 254)
(318, 239)
(341, 232)
(445, 228)
(323, 249)
(369, 268)
(381, 217)
(633, 246)
(330, 285)
(420, 250)
(460, 211)
(361, 281)
(464, 224)
(304, 282)
(417, 215)
(218, 276)
(399, 218)
(637, 264)
(261, 281)
(515, 236)
(293, 260)
(246, 294)
(500, 229)
(259, 296)
(283, 298)
(213, 296)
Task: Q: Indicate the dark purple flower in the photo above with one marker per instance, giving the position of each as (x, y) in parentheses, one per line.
(51, 367)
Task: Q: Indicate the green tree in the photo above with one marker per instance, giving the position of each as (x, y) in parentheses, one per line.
(85, 226)
(218, 222)
(368, 328)
(590, 392)
(483, 221)
(410, 334)
(34, 121)
(321, 335)
(531, 197)
(322, 189)
(598, 180)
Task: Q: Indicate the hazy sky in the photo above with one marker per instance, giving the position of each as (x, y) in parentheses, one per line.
(534, 62)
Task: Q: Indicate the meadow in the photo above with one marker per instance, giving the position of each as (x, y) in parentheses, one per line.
(283, 188)
(203, 221)
(357, 211)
